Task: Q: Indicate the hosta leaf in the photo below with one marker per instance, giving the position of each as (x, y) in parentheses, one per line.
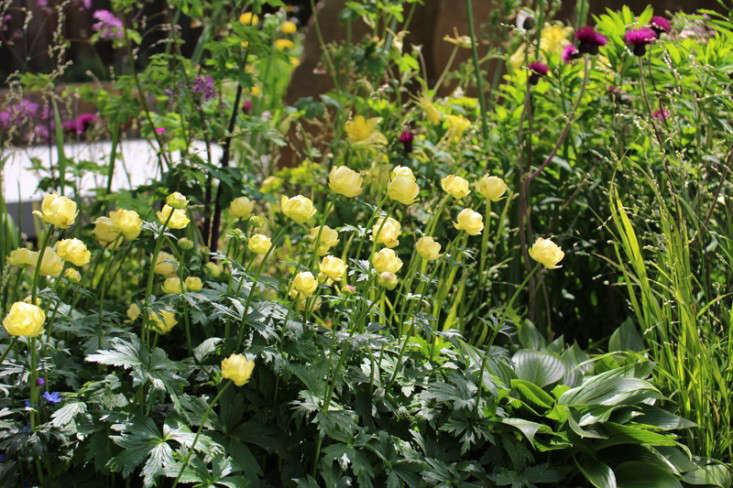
(538, 367)
(528, 428)
(663, 420)
(714, 474)
(597, 473)
(631, 434)
(609, 388)
(533, 393)
(635, 474)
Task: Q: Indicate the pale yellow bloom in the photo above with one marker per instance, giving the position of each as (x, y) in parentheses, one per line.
(72, 275)
(177, 200)
(163, 321)
(388, 280)
(469, 221)
(172, 285)
(22, 257)
(128, 222)
(259, 244)
(270, 184)
(133, 312)
(361, 131)
(73, 251)
(283, 44)
(241, 208)
(105, 231)
(298, 208)
(304, 283)
(455, 186)
(386, 260)
(457, 125)
(546, 252)
(178, 219)
(387, 231)
(165, 264)
(288, 27)
(328, 239)
(24, 319)
(402, 186)
(491, 187)
(345, 181)
(249, 18)
(185, 243)
(194, 283)
(333, 267)
(216, 269)
(427, 248)
(52, 264)
(57, 210)
(237, 368)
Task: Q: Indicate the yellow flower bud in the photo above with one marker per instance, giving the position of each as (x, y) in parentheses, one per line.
(172, 285)
(194, 283)
(402, 186)
(470, 221)
(386, 260)
(298, 208)
(133, 312)
(387, 232)
(73, 251)
(455, 186)
(328, 239)
(259, 244)
(24, 319)
(128, 222)
(283, 44)
(333, 267)
(185, 243)
(237, 368)
(215, 269)
(178, 220)
(427, 248)
(546, 252)
(249, 18)
(165, 264)
(57, 210)
(52, 264)
(304, 283)
(288, 27)
(162, 321)
(241, 208)
(105, 231)
(491, 187)
(72, 275)
(22, 257)
(345, 181)
(177, 200)
(388, 280)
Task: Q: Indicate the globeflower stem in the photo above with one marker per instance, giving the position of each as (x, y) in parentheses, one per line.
(198, 432)
(521, 287)
(37, 270)
(151, 273)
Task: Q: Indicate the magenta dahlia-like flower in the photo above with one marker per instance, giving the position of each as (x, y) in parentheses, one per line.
(570, 53)
(537, 71)
(109, 26)
(660, 25)
(589, 40)
(639, 39)
(80, 124)
(247, 107)
(406, 139)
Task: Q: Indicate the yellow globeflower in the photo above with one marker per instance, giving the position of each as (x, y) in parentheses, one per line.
(241, 208)
(72, 275)
(163, 321)
(73, 251)
(386, 260)
(345, 181)
(457, 125)
(386, 231)
(194, 283)
(259, 244)
(177, 200)
(333, 267)
(402, 186)
(185, 243)
(388, 280)
(57, 210)
(469, 221)
(173, 285)
(128, 222)
(165, 264)
(298, 208)
(237, 368)
(52, 264)
(284, 44)
(249, 18)
(22, 257)
(546, 252)
(24, 319)
(105, 231)
(455, 186)
(304, 283)
(361, 131)
(288, 27)
(271, 184)
(133, 312)
(329, 238)
(427, 248)
(215, 269)
(178, 220)
(491, 187)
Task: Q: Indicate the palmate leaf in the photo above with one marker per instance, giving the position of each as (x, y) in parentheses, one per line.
(142, 442)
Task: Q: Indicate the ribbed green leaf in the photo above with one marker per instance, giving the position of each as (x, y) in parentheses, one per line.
(715, 475)
(597, 473)
(538, 367)
(635, 474)
(533, 393)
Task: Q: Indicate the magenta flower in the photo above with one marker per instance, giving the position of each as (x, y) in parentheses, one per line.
(589, 40)
(406, 138)
(661, 115)
(570, 53)
(109, 26)
(639, 39)
(660, 25)
(160, 130)
(80, 124)
(247, 107)
(537, 71)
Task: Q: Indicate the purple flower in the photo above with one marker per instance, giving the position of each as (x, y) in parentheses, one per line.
(109, 26)
(247, 107)
(204, 87)
(639, 39)
(570, 53)
(406, 139)
(661, 114)
(160, 130)
(537, 70)
(40, 382)
(589, 40)
(660, 25)
(54, 397)
(80, 124)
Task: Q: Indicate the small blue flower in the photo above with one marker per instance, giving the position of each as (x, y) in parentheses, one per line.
(54, 397)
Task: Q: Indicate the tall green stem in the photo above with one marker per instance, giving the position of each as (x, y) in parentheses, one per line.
(477, 68)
